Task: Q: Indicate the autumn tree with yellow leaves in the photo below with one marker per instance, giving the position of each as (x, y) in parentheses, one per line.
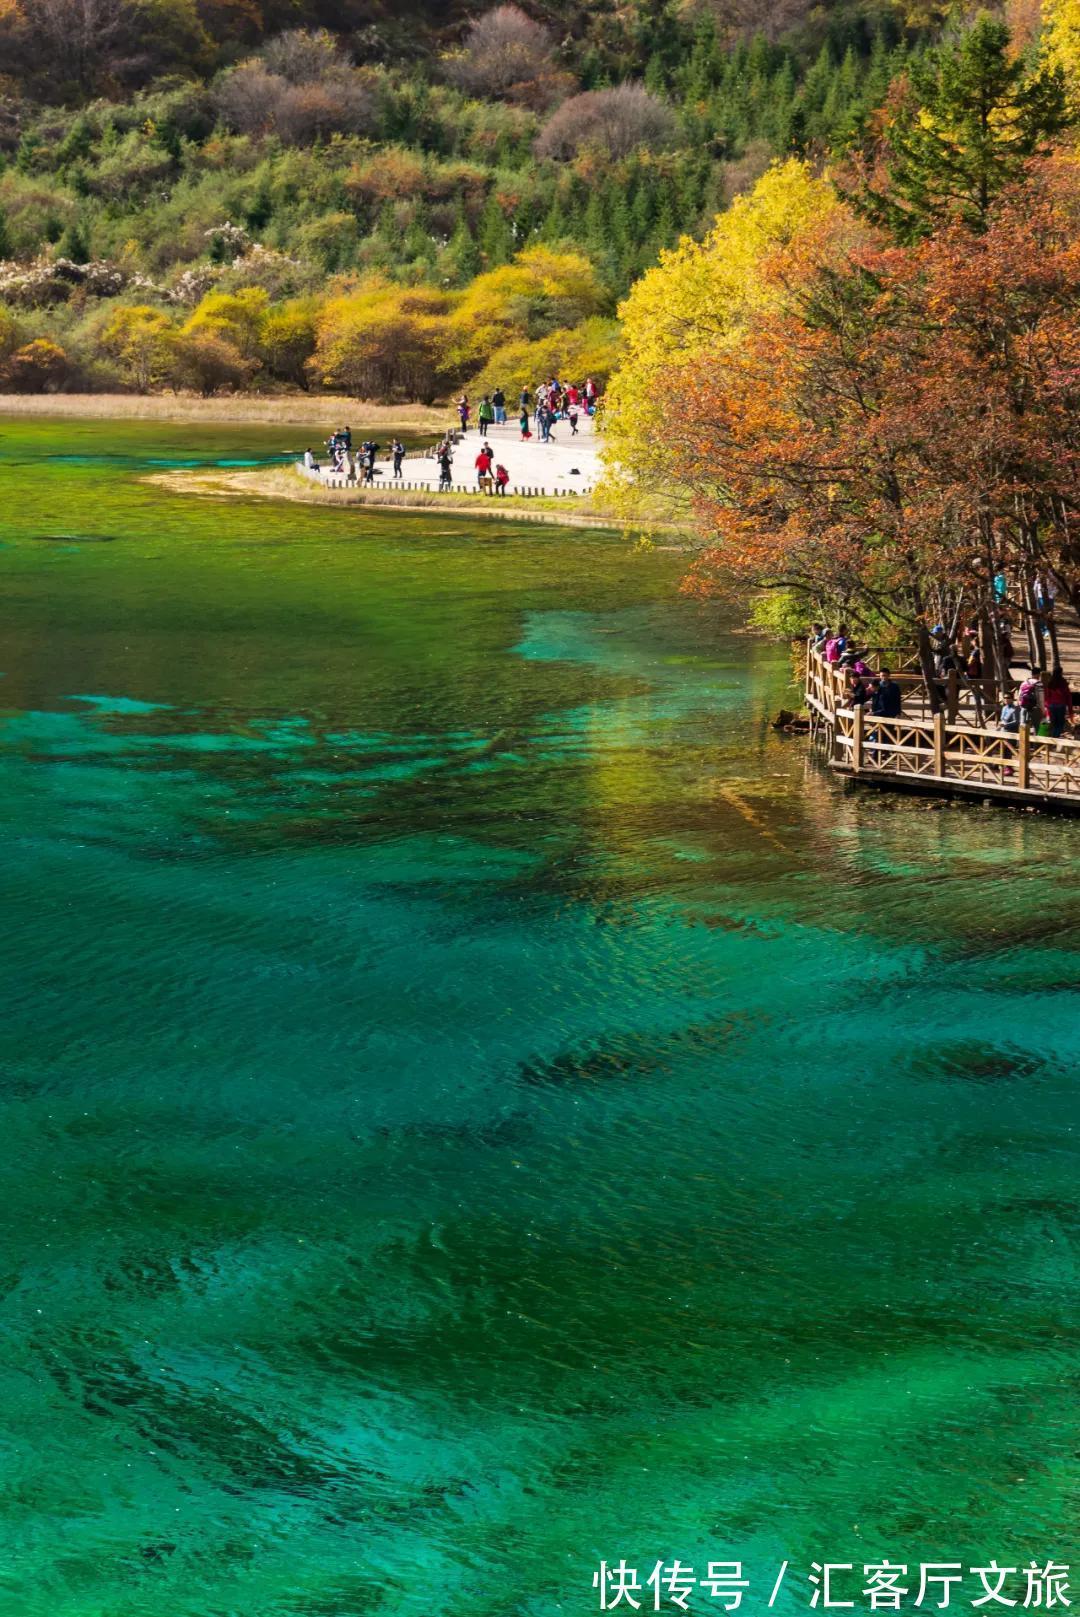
(697, 299)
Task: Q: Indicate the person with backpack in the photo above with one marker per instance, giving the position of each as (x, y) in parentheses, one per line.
(446, 460)
(485, 415)
(836, 645)
(464, 410)
(1030, 699)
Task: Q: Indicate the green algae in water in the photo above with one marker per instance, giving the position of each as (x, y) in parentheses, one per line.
(478, 1102)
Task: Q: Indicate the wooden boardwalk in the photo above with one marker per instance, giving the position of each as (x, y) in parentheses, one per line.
(959, 752)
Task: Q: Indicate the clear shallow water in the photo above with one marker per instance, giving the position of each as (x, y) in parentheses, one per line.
(478, 1102)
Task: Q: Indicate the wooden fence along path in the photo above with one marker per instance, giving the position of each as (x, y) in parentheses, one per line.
(960, 751)
(519, 491)
(337, 480)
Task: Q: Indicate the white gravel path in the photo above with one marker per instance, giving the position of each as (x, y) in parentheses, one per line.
(568, 465)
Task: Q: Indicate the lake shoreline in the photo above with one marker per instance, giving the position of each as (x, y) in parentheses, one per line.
(284, 483)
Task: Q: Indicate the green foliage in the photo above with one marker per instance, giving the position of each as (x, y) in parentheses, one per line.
(153, 154)
(73, 244)
(781, 613)
(466, 188)
(973, 118)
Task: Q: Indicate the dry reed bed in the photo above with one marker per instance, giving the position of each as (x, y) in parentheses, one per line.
(317, 412)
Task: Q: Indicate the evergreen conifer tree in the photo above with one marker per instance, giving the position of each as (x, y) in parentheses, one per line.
(493, 235)
(261, 207)
(462, 253)
(555, 227)
(73, 244)
(976, 115)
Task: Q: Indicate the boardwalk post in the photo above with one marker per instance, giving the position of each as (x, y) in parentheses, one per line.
(857, 740)
(964, 758)
(1024, 760)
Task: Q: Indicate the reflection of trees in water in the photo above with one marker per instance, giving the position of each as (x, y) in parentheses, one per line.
(945, 872)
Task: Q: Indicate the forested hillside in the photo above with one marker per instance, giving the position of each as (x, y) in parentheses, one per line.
(384, 198)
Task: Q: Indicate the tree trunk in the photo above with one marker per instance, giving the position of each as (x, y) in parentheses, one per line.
(926, 663)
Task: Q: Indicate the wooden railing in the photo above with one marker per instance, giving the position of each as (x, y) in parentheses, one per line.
(936, 751)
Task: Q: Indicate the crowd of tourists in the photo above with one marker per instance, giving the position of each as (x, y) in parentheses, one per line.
(866, 685)
(359, 464)
(1042, 701)
(552, 402)
(492, 476)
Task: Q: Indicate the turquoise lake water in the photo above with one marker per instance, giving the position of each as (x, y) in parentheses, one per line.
(477, 1102)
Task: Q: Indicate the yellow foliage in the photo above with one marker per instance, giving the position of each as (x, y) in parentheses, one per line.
(541, 291)
(700, 295)
(9, 333)
(235, 316)
(37, 367)
(591, 349)
(287, 338)
(1061, 38)
(383, 341)
(138, 336)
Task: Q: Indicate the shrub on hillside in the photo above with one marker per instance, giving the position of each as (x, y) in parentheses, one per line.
(287, 341)
(390, 173)
(40, 366)
(330, 240)
(301, 88)
(510, 57)
(279, 274)
(236, 317)
(35, 210)
(49, 281)
(130, 168)
(206, 363)
(541, 291)
(138, 337)
(613, 122)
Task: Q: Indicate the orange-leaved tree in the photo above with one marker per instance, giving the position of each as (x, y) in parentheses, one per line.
(901, 426)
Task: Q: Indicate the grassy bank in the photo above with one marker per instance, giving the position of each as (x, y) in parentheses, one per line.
(283, 483)
(317, 411)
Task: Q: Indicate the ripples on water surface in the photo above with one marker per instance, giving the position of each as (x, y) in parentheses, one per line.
(476, 1102)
